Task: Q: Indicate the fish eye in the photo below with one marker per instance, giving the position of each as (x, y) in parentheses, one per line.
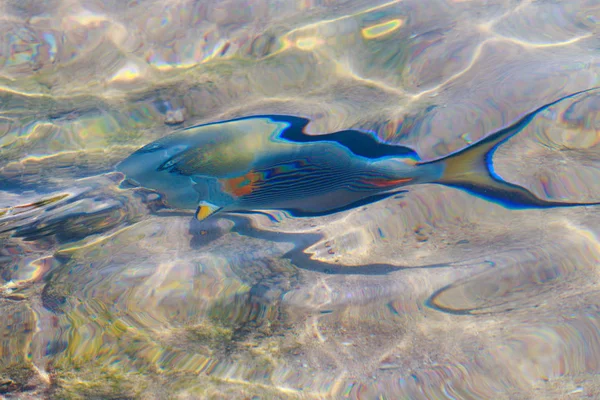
(167, 164)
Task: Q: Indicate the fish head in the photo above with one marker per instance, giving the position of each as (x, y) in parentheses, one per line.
(150, 159)
(179, 164)
(145, 168)
(216, 149)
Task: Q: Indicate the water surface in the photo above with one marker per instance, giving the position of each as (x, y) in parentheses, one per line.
(431, 294)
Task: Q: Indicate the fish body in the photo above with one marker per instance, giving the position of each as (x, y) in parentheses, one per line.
(268, 162)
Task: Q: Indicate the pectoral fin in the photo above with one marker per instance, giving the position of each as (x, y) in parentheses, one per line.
(205, 210)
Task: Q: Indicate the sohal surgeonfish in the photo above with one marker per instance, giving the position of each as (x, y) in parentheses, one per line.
(269, 163)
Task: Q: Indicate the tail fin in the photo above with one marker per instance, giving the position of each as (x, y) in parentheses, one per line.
(471, 169)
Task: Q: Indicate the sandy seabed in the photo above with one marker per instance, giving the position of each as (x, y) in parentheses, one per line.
(432, 294)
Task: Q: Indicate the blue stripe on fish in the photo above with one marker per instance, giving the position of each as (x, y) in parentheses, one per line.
(360, 143)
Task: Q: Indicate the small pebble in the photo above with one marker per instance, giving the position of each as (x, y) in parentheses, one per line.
(174, 117)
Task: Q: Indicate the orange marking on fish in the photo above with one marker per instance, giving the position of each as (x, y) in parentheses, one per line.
(241, 185)
(387, 182)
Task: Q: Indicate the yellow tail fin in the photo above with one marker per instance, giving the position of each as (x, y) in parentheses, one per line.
(472, 168)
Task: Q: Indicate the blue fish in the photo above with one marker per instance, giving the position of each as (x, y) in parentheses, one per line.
(268, 162)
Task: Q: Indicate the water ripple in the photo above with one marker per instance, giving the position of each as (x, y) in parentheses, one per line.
(435, 293)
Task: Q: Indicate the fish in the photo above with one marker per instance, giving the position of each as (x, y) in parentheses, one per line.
(268, 162)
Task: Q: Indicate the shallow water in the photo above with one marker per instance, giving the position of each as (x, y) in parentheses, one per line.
(432, 294)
